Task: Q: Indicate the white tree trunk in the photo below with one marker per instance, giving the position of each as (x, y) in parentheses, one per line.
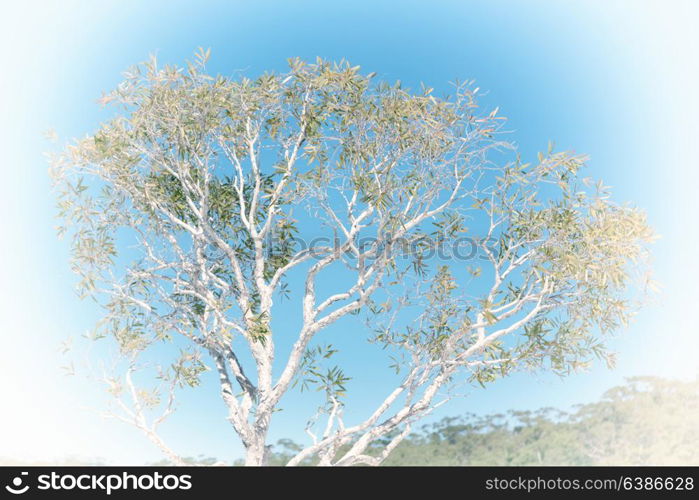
(256, 453)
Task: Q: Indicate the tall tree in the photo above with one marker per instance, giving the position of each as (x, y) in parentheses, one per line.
(198, 182)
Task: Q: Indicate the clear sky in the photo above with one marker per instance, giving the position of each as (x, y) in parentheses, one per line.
(614, 79)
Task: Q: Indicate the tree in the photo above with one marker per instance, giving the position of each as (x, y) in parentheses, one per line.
(197, 182)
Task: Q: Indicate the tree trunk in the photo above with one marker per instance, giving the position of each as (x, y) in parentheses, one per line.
(257, 453)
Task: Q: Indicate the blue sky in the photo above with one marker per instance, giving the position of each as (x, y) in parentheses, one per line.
(611, 79)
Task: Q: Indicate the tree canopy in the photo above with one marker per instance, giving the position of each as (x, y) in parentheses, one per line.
(192, 211)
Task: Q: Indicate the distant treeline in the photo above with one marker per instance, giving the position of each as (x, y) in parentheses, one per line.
(647, 421)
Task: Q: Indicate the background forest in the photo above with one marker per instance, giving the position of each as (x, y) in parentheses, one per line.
(647, 421)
